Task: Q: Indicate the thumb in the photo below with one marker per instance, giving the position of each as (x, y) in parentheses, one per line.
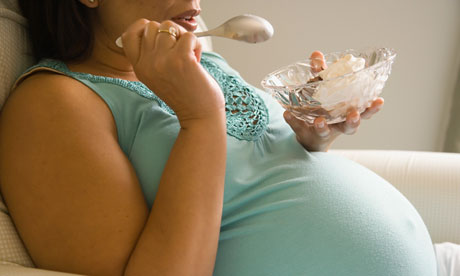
(296, 124)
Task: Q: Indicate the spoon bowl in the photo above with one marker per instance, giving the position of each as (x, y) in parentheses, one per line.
(248, 28)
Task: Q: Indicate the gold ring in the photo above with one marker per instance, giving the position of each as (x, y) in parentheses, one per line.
(172, 31)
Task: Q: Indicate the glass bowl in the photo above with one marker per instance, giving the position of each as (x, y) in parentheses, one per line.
(292, 87)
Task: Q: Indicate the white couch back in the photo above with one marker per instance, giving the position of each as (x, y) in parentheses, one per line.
(15, 51)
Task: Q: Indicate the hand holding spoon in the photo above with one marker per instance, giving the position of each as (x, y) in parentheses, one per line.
(248, 28)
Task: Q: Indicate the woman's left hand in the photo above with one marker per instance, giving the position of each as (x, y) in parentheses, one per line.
(320, 135)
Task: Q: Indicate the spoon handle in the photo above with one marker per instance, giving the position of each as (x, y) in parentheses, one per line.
(219, 31)
(200, 34)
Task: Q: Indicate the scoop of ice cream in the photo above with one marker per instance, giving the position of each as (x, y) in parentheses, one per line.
(346, 91)
(342, 66)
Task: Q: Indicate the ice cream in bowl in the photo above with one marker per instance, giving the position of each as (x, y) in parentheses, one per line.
(350, 79)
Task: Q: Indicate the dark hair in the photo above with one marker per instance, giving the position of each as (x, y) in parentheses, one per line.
(58, 29)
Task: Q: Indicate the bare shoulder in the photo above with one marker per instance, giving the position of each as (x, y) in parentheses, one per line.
(45, 95)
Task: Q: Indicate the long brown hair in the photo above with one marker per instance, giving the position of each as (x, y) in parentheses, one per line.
(59, 29)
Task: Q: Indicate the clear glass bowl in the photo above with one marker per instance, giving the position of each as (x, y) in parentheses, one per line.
(330, 98)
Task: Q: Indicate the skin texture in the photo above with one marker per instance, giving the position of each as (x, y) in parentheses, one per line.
(71, 190)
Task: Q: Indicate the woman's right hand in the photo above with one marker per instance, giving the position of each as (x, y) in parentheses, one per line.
(170, 66)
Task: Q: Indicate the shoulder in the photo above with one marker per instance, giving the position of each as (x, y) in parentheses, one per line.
(45, 97)
(47, 86)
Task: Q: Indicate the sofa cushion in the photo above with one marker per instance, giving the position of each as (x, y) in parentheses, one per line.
(11, 247)
(15, 52)
(14, 59)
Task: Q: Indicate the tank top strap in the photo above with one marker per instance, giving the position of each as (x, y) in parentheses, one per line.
(60, 67)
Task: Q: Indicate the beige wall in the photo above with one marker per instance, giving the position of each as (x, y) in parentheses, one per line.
(425, 33)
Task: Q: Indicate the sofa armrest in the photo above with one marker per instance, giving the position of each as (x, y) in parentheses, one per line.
(9, 269)
(429, 180)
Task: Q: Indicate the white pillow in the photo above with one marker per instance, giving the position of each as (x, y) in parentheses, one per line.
(15, 54)
(448, 258)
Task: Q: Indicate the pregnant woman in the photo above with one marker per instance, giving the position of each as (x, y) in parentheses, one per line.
(158, 159)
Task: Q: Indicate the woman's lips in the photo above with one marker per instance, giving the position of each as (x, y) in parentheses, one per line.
(189, 24)
(187, 19)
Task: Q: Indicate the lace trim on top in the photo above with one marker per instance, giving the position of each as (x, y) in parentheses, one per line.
(246, 112)
(247, 115)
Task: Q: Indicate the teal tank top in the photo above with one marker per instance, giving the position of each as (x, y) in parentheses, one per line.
(287, 211)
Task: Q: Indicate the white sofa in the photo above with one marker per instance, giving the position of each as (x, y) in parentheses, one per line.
(430, 180)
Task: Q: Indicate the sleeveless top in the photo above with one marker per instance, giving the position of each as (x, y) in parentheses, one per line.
(286, 211)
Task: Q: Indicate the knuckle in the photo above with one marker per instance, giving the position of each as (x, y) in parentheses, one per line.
(152, 24)
(141, 21)
(167, 24)
(144, 20)
(188, 35)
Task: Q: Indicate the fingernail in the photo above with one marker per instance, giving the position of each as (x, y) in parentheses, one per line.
(354, 119)
(119, 42)
(320, 124)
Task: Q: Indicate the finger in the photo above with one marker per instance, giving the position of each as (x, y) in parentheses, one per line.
(374, 108)
(351, 124)
(299, 126)
(132, 39)
(150, 33)
(189, 46)
(321, 128)
(317, 62)
(166, 36)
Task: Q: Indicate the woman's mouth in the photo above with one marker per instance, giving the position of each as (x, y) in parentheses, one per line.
(187, 20)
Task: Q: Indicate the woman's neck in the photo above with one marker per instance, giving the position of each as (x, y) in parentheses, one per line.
(106, 59)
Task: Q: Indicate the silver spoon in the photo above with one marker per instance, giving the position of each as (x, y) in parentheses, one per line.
(248, 28)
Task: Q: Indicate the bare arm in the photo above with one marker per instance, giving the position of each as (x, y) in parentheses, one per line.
(76, 200)
(185, 219)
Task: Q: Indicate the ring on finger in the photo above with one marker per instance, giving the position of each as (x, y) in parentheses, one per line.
(171, 31)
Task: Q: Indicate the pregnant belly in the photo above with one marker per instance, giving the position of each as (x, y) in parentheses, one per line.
(331, 217)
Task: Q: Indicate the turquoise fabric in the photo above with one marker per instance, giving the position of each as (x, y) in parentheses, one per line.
(286, 211)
